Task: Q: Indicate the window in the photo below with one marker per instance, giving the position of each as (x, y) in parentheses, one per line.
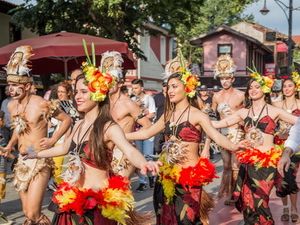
(225, 49)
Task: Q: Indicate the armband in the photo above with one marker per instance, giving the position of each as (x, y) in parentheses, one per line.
(140, 116)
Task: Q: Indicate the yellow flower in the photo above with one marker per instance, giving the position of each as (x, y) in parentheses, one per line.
(65, 199)
(118, 203)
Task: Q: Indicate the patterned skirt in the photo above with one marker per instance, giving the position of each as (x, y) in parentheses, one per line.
(287, 185)
(184, 209)
(252, 193)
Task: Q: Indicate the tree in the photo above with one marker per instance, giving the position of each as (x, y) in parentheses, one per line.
(123, 19)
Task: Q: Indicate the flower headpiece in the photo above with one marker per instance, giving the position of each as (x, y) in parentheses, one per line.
(265, 82)
(99, 82)
(179, 65)
(17, 68)
(296, 79)
(224, 67)
(112, 62)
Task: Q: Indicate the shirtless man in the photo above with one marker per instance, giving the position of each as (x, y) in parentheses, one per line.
(29, 121)
(124, 111)
(225, 102)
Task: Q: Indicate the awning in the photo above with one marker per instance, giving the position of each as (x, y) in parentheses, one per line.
(282, 47)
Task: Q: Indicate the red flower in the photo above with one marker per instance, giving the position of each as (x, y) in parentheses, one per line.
(202, 173)
(118, 182)
(247, 197)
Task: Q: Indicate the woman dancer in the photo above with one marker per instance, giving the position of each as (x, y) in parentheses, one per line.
(178, 191)
(287, 185)
(91, 194)
(258, 164)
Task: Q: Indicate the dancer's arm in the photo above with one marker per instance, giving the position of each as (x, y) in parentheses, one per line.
(149, 132)
(233, 119)
(137, 114)
(208, 128)
(58, 150)
(64, 126)
(116, 135)
(285, 116)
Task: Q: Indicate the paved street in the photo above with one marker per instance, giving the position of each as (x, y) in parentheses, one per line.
(228, 215)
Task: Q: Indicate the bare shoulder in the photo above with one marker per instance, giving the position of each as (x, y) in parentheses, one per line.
(11, 105)
(240, 93)
(38, 100)
(196, 114)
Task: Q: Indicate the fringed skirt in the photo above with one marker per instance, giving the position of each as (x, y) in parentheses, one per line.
(91, 217)
(252, 194)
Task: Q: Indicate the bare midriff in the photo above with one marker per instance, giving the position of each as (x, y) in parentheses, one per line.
(93, 178)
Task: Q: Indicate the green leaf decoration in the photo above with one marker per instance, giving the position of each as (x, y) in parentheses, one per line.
(86, 52)
(93, 54)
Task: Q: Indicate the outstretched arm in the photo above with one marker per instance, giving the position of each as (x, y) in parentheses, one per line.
(233, 119)
(221, 140)
(117, 136)
(147, 133)
(285, 116)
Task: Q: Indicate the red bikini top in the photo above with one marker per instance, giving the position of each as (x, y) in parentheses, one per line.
(184, 131)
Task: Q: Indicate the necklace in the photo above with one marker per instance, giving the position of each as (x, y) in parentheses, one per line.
(254, 135)
(174, 125)
(74, 166)
(19, 122)
(175, 151)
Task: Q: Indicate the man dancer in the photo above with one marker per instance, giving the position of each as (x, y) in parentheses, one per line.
(225, 102)
(30, 114)
(147, 104)
(123, 110)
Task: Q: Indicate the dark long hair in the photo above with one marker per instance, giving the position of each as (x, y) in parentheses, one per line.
(296, 93)
(97, 143)
(248, 100)
(169, 106)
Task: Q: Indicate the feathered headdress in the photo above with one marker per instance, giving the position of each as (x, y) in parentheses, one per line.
(265, 82)
(112, 62)
(18, 68)
(180, 65)
(224, 67)
(99, 82)
(296, 79)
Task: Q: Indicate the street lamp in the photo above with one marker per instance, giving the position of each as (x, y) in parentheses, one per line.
(289, 17)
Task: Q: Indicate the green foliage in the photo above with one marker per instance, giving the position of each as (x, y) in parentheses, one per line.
(296, 55)
(123, 19)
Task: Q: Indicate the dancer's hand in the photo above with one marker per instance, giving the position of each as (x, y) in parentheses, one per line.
(46, 143)
(244, 144)
(284, 162)
(5, 151)
(151, 166)
(31, 155)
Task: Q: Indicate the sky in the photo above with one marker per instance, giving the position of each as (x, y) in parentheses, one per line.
(275, 19)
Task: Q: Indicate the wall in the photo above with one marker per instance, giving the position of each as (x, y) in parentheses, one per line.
(4, 28)
(210, 47)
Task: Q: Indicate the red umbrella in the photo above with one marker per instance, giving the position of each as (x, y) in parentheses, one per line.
(63, 52)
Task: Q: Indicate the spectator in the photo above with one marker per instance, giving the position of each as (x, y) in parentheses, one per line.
(147, 104)
(4, 108)
(159, 100)
(4, 138)
(74, 74)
